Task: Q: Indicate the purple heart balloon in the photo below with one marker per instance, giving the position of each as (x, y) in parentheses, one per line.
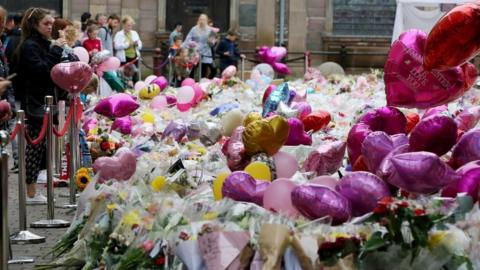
(303, 108)
(176, 129)
(388, 119)
(386, 165)
(317, 201)
(297, 134)
(399, 140)
(435, 110)
(420, 172)
(123, 124)
(357, 134)
(375, 148)
(363, 190)
(240, 186)
(468, 183)
(467, 149)
(436, 134)
(326, 159)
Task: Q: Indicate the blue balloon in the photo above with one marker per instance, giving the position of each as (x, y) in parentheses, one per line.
(281, 93)
(223, 108)
(310, 90)
(292, 96)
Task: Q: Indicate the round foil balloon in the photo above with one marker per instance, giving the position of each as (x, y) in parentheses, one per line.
(420, 172)
(408, 84)
(454, 39)
(467, 149)
(161, 82)
(436, 134)
(388, 119)
(363, 190)
(149, 92)
(277, 198)
(265, 70)
(285, 164)
(316, 201)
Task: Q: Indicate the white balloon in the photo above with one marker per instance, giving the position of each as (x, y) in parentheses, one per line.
(185, 94)
(150, 79)
(265, 69)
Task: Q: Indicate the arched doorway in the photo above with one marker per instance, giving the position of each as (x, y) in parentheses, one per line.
(187, 12)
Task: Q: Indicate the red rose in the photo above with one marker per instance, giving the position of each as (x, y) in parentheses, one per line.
(160, 260)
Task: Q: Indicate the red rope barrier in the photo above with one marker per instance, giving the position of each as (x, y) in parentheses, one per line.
(79, 111)
(41, 136)
(15, 132)
(66, 124)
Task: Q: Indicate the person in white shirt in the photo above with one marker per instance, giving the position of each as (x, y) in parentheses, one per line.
(127, 43)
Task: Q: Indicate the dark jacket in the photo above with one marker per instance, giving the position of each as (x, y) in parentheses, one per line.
(11, 43)
(35, 60)
(227, 45)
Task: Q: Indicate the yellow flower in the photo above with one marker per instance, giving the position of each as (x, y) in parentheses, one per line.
(210, 216)
(131, 218)
(336, 235)
(123, 195)
(158, 183)
(82, 179)
(111, 207)
(436, 238)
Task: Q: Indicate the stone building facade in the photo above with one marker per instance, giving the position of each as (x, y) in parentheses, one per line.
(315, 25)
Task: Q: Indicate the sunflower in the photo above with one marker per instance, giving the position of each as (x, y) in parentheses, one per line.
(82, 178)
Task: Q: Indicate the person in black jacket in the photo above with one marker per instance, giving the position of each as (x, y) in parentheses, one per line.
(13, 36)
(228, 51)
(35, 57)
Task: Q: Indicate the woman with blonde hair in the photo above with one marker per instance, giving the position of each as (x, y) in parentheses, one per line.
(127, 43)
(205, 39)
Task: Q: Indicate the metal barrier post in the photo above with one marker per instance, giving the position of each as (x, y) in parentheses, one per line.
(200, 69)
(59, 140)
(50, 222)
(73, 138)
(4, 238)
(23, 236)
(242, 69)
(139, 69)
(157, 62)
(306, 62)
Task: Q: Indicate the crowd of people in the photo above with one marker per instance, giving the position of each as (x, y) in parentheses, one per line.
(34, 41)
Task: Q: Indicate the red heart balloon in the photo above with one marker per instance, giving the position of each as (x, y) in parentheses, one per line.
(316, 120)
(72, 77)
(455, 38)
(408, 84)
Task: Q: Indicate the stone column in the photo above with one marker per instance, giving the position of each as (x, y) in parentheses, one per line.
(234, 20)
(162, 15)
(98, 6)
(66, 9)
(297, 26)
(266, 22)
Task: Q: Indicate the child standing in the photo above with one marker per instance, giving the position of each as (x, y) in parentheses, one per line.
(183, 66)
(92, 44)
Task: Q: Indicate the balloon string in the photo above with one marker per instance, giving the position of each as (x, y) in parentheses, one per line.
(41, 136)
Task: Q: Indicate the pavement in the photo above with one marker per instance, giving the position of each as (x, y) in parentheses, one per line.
(35, 213)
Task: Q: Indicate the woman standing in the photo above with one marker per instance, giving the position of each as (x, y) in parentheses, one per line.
(205, 39)
(127, 43)
(36, 56)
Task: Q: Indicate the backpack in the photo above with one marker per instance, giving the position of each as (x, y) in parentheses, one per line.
(106, 32)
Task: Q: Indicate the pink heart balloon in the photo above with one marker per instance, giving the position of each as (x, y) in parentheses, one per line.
(420, 172)
(315, 201)
(277, 197)
(297, 134)
(408, 85)
(468, 118)
(119, 167)
(234, 151)
(161, 82)
(72, 77)
(240, 186)
(281, 68)
(325, 180)
(326, 159)
(229, 72)
(117, 105)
